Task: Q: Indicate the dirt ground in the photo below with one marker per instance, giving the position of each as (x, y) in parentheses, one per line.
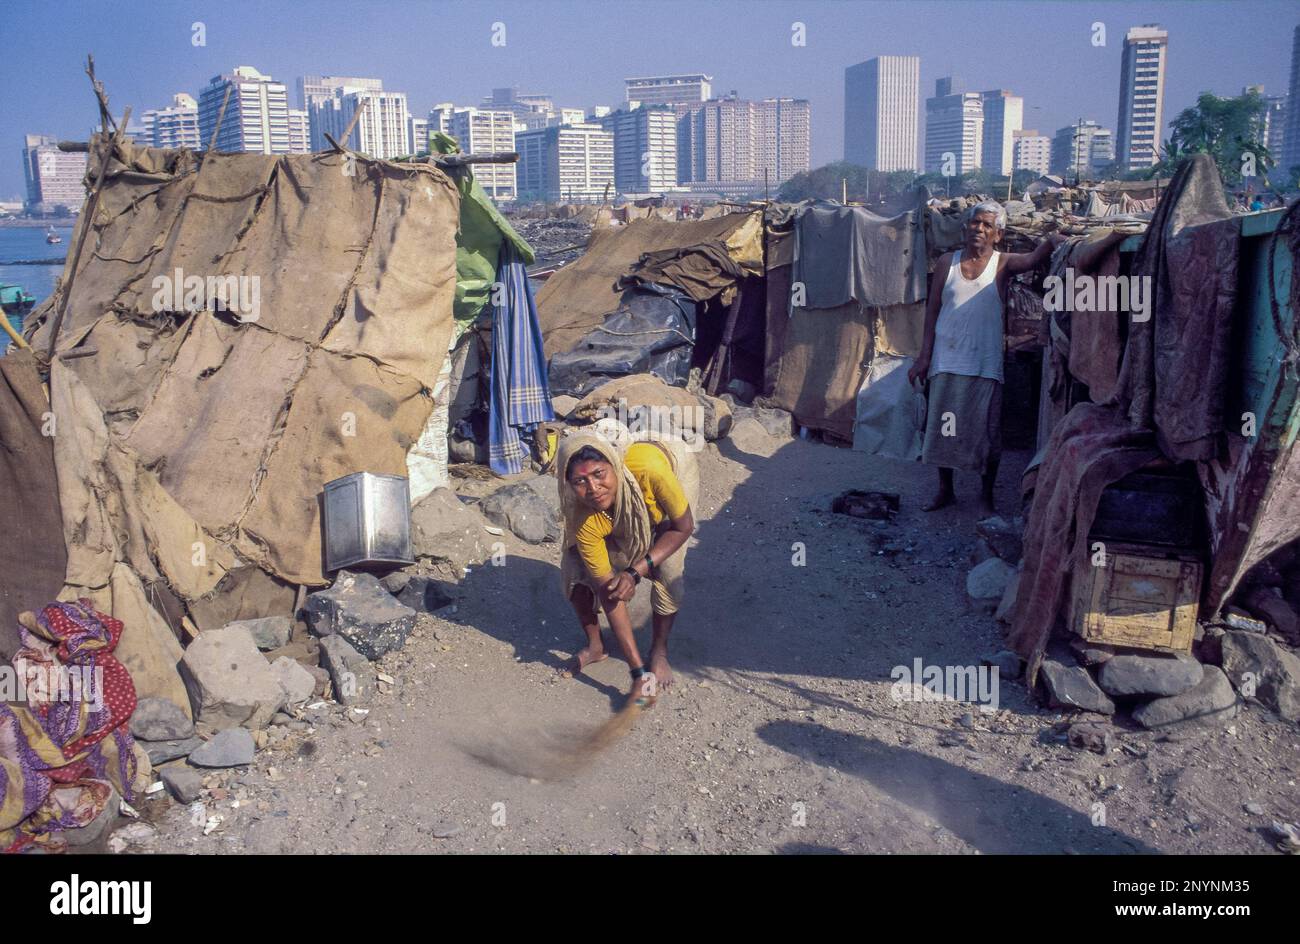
(780, 735)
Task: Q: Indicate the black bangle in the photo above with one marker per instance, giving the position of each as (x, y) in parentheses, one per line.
(636, 578)
(639, 671)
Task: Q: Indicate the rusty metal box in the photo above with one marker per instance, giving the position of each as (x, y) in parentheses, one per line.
(1144, 597)
(367, 521)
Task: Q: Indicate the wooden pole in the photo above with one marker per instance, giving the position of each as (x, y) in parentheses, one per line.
(216, 129)
(87, 220)
(356, 116)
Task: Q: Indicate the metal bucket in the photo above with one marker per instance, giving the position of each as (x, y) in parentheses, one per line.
(367, 521)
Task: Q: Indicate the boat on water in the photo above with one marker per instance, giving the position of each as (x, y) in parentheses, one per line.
(52, 237)
(15, 305)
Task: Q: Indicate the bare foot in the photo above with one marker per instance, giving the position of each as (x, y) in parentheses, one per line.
(942, 500)
(583, 658)
(663, 672)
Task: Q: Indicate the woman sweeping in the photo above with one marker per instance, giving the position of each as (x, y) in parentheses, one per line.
(627, 518)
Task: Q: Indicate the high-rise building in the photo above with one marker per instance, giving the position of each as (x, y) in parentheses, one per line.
(316, 89)
(1004, 115)
(418, 131)
(1084, 151)
(256, 118)
(440, 117)
(176, 126)
(881, 97)
(481, 131)
(645, 148)
(566, 162)
(299, 132)
(1141, 97)
(782, 139)
(733, 140)
(1291, 136)
(669, 89)
(954, 124)
(1032, 151)
(521, 104)
(1271, 129)
(54, 178)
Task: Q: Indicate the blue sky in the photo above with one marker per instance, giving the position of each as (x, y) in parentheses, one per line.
(579, 52)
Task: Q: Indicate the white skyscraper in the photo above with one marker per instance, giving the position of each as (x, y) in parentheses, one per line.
(1003, 116)
(645, 148)
(1084, 151)
(176, 126)
(54, 177)
(256, 117)
(1141, 97)
(669, 89)
(568, 162)
(483, 131)
(954, 124)
(1032, 151)
(881, 98)
(382, 131)
(1290, 154)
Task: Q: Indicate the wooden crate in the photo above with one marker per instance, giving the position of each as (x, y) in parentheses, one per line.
(1144, 597)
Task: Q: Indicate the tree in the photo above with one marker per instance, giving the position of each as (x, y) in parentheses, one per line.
(830, 181)
(1228, 129)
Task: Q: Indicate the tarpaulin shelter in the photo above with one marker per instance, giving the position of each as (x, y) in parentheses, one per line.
(192, 447)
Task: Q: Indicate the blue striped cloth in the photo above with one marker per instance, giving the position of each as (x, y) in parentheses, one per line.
(521, 396)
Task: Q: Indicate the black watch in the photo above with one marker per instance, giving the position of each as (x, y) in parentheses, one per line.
(636, 578)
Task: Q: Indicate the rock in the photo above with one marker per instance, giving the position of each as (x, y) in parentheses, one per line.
(183, 783)
(1003, 538)
(521, 509)
(460, 449)
(426, 595)
(749, 436)
(1008, 664)
(548, 487)
(1006, 610)
(268, 633)
(1237, 618)
(445, 529)
(233, 747)
(1156, 674)
(322, 678)
(1254, 809)
(1211, 700)
(717, 417)
(297, 682)
(1268, 605)
(741, 389)
(132, 834)
(81, 836)
(359, 609)
(1276, 672)
(351, 674)
(778, 423)
(1209, 648)
(229, 680)
(1070, 686)
(1091, 653)
(563, 405)
(160, 752)
(1088, 736)
(396, 582)
(987, 582)
(157, 719)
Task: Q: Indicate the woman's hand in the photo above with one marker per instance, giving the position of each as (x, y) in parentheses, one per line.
(919, 369)
(622, 588)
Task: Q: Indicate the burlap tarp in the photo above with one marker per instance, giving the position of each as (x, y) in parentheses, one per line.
(191, 450)
(576, 299)
(32, 556)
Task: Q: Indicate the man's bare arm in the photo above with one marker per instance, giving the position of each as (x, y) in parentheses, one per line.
(932, 305)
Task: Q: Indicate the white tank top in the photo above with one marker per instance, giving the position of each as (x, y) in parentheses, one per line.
(968, 334)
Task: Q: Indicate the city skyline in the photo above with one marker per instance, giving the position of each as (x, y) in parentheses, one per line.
(751, 54)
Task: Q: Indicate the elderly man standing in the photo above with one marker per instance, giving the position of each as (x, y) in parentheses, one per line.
(961, 355)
